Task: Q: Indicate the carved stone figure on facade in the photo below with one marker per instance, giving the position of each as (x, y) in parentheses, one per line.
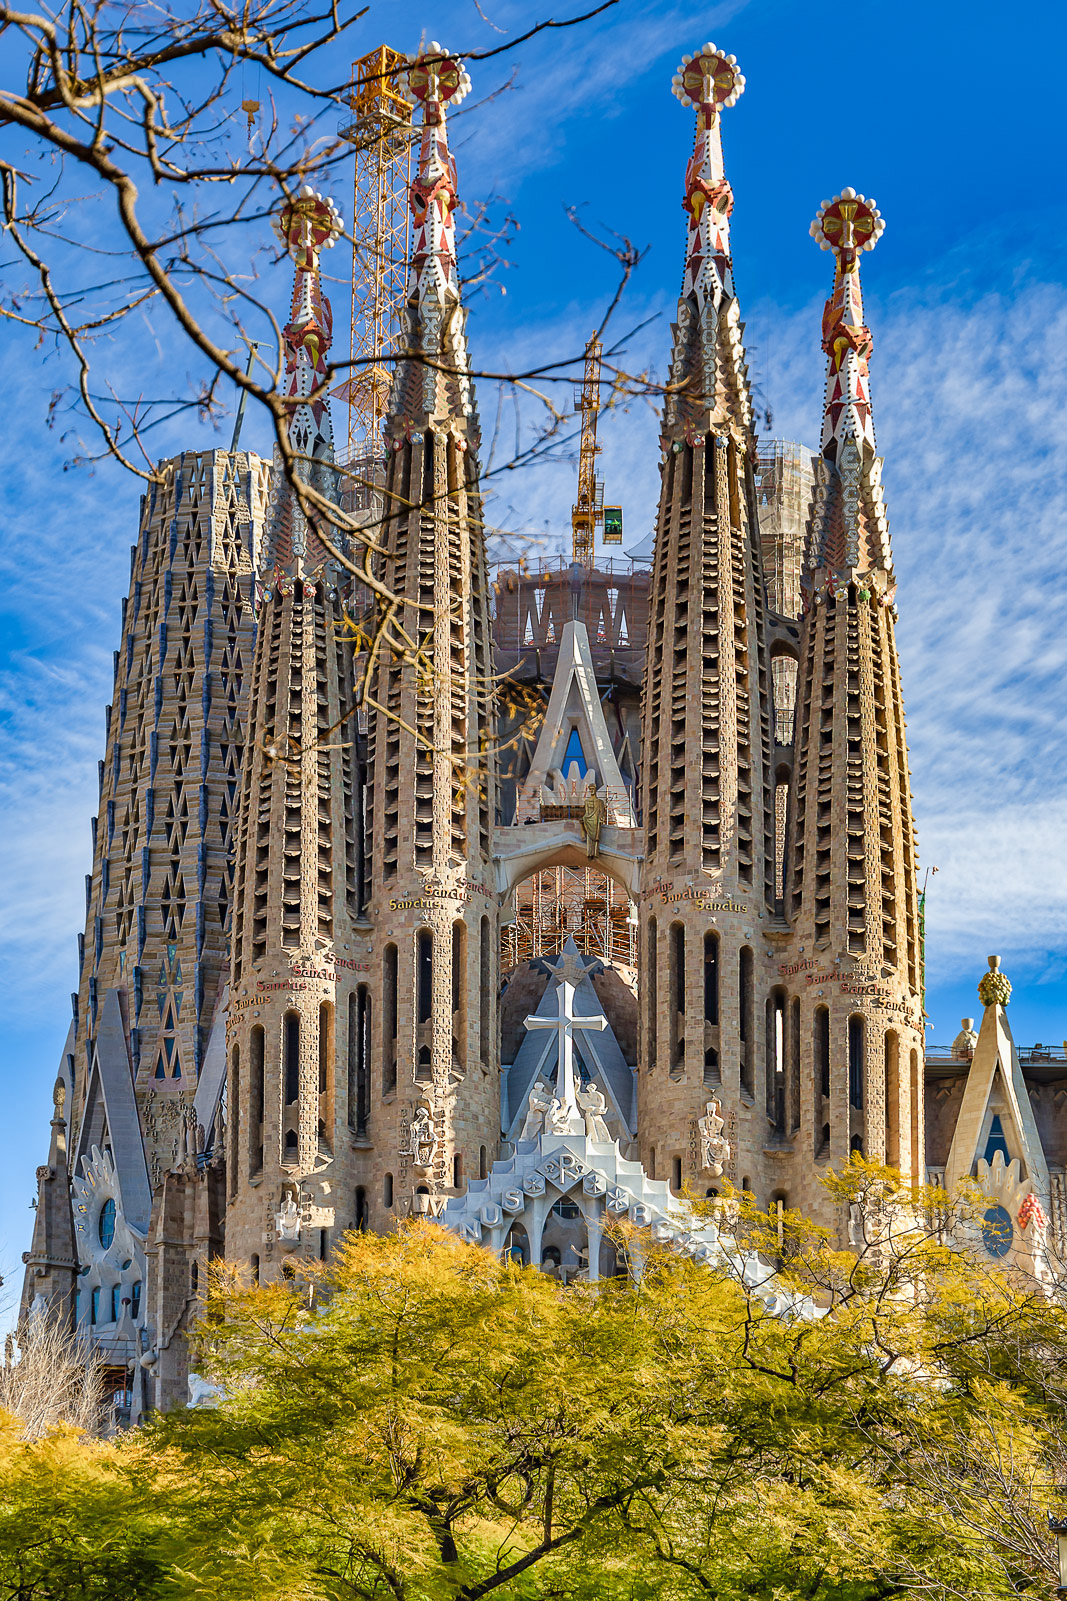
(287, 1220)
(857, 1234)
(594, 814)
(592, 1105)
(422, 1138)
(558, 1118)
(539, 1103)
(714, 1146)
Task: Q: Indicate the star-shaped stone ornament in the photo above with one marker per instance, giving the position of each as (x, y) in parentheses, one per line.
(570, 969)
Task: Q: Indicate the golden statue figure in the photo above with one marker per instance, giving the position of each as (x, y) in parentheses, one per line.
(594, 812)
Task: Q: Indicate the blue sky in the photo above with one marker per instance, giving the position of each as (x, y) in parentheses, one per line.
(948, 114)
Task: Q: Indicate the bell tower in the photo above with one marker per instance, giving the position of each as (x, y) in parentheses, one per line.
(854, 974)
(708, 789)
(433, 1091)
(295, 954)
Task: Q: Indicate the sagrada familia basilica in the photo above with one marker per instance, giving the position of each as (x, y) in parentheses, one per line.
(364, 940)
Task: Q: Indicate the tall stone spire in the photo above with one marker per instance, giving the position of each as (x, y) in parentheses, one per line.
(429, 720)
(851, 869)
(707, 791)
(293, 1131)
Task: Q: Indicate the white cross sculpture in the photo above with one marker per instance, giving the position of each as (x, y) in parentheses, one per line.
(565, 1024)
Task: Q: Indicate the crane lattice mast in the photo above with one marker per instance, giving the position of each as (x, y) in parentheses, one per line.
(588, 510)
(382, 133)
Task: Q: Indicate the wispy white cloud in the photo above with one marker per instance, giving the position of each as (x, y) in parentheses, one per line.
(971, 406)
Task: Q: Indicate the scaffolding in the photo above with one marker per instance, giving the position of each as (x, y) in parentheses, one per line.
(382, 134)
(785, 486)
(579, 903)
(785, 483)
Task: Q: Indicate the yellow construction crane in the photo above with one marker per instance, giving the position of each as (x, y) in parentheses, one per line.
(382, 134)
(589, 510)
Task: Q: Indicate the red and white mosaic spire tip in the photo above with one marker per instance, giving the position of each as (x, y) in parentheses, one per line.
(847, 225)
(438, 81)
(307, 225)
(708, 81)
(708, 370)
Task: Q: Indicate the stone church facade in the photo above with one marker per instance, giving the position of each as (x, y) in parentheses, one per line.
(590, 886)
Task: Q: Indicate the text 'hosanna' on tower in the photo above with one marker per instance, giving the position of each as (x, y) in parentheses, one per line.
(592, 885)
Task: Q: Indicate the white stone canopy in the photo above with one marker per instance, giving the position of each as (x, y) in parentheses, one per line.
(523, 1189)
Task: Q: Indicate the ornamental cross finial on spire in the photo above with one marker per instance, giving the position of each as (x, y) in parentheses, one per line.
(846, 225)
(850, 528)
(714, 375)
(437, 80)
(708, 81)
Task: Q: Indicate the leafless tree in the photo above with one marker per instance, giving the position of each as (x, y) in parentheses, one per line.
(50, 1377)
(138, 182)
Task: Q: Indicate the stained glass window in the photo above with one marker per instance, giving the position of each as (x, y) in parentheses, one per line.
(574, 753)
(997, 1231)
(996, 1141)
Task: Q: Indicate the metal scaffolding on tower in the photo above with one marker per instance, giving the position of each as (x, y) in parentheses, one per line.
(382, 135)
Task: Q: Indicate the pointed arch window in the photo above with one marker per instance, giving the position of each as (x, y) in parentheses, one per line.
(291, 1057)
(996, 1141)
(857, 1061)
(424, 975)
(574, 753)
(257, 1100)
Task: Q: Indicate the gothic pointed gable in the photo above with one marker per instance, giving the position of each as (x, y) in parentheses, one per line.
(574, 736)
(995, 1117)
(212, 1081)
(111, 1116)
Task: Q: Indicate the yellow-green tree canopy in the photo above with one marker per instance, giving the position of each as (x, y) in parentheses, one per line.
(420, 1421)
